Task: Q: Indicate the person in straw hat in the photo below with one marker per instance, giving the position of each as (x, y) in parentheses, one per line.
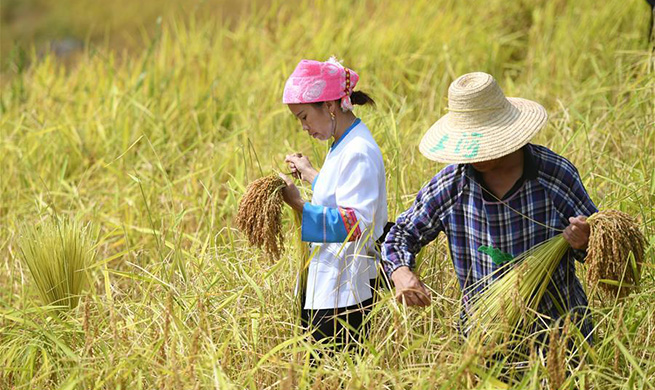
(348, 209)
(500, 196)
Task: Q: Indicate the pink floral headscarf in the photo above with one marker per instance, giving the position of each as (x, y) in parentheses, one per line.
(315, 81)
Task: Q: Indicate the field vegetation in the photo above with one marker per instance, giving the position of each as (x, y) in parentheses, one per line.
(150, 133)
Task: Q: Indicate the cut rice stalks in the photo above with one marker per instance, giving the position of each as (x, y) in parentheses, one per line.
(58, 253)
(259, 216)
(615, 253)
(513, 299)
(614, 257)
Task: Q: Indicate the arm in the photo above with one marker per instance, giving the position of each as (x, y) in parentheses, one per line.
(414, 229)
(320, 223)
(573, 202)
(357, 196)
(577, 232)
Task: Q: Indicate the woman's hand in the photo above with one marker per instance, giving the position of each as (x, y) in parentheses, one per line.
(291, 195)
(577, 233)
(301, 167)
(409, 289)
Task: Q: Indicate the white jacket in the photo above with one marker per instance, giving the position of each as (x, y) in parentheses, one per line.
(349, 198)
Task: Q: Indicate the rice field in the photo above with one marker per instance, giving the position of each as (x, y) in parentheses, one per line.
(151, 132)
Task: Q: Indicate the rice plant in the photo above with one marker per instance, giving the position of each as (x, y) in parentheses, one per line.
(58, 253)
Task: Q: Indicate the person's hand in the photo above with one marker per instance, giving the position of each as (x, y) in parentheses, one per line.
(301, 167)
(291, 195)
(409, 289)
(577, 233)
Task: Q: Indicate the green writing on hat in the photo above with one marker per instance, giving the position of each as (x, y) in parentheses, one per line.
(474, 145)
(469, 145)
(440, 145)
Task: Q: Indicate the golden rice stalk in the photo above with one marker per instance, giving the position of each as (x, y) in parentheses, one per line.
(302, 259)
(57, 253)
(556, 355)
(615, 253)
(259, 216)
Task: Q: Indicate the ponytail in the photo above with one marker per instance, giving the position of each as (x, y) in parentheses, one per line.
(361, 98)
(356, 98)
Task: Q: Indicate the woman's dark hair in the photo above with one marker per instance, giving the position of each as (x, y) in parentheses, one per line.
(361, 98)
(357, 98)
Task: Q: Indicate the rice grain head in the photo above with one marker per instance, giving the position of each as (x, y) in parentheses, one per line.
(556, 355)
(259, 216)
(615, 253)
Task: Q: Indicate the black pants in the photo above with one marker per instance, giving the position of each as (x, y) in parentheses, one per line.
(346, 325)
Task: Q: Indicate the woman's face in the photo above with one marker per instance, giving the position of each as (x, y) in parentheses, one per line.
(315, 119)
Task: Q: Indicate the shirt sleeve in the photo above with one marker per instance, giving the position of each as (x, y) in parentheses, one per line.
(322, 224)
(417, 226)
(357, 195)
(571, 198)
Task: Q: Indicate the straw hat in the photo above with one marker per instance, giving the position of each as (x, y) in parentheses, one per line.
(481, 123)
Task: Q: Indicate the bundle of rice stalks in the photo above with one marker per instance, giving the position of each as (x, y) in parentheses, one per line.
(614, 257)
(615, 253)
(57, 253)
(259, 216)
(506, 302)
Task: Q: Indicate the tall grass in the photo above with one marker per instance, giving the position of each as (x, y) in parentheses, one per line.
(155, 148)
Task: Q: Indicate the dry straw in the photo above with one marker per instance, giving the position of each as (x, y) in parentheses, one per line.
(259, 216)
(615, 253)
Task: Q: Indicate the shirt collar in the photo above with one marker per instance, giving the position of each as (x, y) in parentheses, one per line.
(530, 169)
(345, 133)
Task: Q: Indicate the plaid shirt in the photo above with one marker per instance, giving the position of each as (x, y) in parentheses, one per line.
(454, 202)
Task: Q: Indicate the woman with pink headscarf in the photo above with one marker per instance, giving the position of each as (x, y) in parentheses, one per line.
(348, 209)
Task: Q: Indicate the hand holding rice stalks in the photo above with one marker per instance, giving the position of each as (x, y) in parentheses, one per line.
(615, 253)
(614, 257)
(259, 216)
